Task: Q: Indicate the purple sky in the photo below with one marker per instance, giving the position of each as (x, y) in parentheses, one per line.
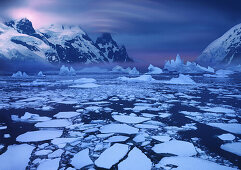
(151, 30)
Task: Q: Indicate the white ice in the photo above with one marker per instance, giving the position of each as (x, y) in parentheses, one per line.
(176, 147)
(81, 159)
(226, 136)
(154, 70)
(54, 123)
(136, 160)
(116, 139)
(52, 164)
(66, 115)
(118, 128)
(129, 119)
(41, 135)
(85, 86)
(182, 79)
(112, 155)
(229, 127)
(142, 78)
(234, 147)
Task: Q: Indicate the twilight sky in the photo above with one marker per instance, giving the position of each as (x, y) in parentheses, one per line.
(151, 30)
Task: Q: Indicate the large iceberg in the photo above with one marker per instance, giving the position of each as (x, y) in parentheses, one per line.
(65, 71)
(190, 67)
(134, 71)
(154, 70)
(19, 74)
(119, 69)
(182, 79)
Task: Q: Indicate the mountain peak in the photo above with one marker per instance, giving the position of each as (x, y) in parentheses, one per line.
(22, 25)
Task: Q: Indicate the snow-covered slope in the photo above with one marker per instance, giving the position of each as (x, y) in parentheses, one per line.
(19, 41)
(111, 49)
(190, 67)
(225, 50)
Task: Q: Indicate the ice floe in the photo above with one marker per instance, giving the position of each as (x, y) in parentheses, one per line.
(52, 164)
(182, 79)
(185, 163)
(146, 78)
(16, 157)
(226, 136)
(162, 138)
(112, 155)
(136, 159)
(116, 139)
(129, 119)
(54, 123)
(229, 127)
(85, 86)
(81, 159)
(66, 115)
(234, 147)
(41, 135)
(119, 128)
(175, 147)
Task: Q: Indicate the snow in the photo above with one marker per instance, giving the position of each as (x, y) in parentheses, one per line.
(129, 119)
(229, 127)
(186, 163)
(134, 71)
(112, 155)
(16, 157)
(81, 159)
(176, 147)
(136, 160)
(118, 128)
(54, 123)
(145, 78)
(41, 135)
(66, 115)
(234, 148)
(227, 136)
(154, 70)
(52, 164)
(65, 71)
(182, 79)
(86, 85)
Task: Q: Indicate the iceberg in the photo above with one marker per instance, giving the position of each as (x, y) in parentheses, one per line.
(154, 70)
(190, 67)
(40, 74)
(182, 79)
(65, 71)
(19, 74)
(119, 69)
(147, 78)
(134, 71)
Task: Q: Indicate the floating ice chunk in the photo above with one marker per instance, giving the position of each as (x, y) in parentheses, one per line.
(227, 136)
(146, 126)
(56, 153)
(54, 123)
(66, 115)
(1, 146)
(112, 155)
(81, 159)
(85, 86)
(43, 152)
(154, 70)
(16, 157)
(41, 135)
(219, 110)
(146, 78)
(184, 163)
(40, 74)
(176, 147)
(162, 138)
(118, 128)
(129, 119)
(72, 71)
(63, 141)
(84, 80)
(229, 127)
(136, 160)
(19, 74)
(116, 139)
(65, 71)
(119, 69)
(32, 118)
(52, 164)
(234, 147)
(182, 79)
(134, 71)
(140, 137)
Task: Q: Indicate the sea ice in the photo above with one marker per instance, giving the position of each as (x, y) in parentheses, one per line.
(176, 147)
(186, 163)
(41, 135)
(16, 157)
(85, 86)
(119, 128)
(182, 79)
(81, 159)
(145, 78)
(54, 123)
(112, 155)
(227, 136)
(66, 115)
(154, 70)
(52, 164)
(234, 147)
(162, 138)
(56, 153)
(40, 74)
(134, 71)
(136, 160)
(84, 80)
(219, 110)
(116, 139)
(129, 119)
(229, 127)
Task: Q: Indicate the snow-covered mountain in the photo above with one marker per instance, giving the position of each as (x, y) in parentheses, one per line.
(226, 50)
(19, 41)
(111, 49)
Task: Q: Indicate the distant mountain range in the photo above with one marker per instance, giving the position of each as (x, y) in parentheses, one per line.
(224, 51)
(20, 42)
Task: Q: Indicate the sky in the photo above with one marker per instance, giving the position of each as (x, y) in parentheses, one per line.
(151, 30)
